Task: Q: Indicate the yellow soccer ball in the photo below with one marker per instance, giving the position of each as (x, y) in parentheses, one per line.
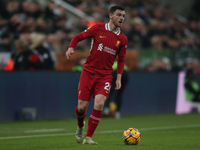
(131, 136)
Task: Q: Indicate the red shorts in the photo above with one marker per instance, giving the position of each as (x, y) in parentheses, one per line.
(93, 84)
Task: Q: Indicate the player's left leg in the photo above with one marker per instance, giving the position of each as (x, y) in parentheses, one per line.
(95, 118)
(106, 110)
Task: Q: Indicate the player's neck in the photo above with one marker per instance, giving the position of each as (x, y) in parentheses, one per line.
(113, 28)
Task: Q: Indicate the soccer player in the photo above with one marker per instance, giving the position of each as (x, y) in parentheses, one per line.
(107, 43)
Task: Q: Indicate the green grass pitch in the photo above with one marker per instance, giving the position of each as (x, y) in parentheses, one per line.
(158, 132)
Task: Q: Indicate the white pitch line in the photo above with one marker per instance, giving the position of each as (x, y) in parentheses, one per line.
(31, 136)
(43, 130)
(171, 127)
(103, 132)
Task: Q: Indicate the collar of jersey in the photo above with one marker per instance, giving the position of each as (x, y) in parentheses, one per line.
(107, 26)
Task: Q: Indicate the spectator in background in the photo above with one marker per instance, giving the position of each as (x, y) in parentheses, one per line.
(29, 25)
(49, 12)
(50, 44)
(195, 65)
(42, 26)
(185, 44)
(159, 65)
(173, 44)
(174, 66)
(37, 45)
(188, 64)
(192, 63)
(8, 31)
(83, 24)
(4, 35)
(86, 6)
(25, 59)
(192, 90)
(32, 9)
(11, 8)
(97, 18)
(145, 20)
(156, 43)
(138, 34)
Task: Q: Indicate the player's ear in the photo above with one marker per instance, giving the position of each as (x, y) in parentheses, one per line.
(110, 15)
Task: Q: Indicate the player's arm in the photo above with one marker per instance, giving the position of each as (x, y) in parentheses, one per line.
(120, 65)
(120, 69)
(73, 43)
(83, 35)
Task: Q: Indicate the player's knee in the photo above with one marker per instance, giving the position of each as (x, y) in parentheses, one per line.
(82, 108)
(82, 105)
(99, 105)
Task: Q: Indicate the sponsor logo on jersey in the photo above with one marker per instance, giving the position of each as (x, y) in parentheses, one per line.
(106, 49)
(100, 47)
(109, 50)
(107, 92)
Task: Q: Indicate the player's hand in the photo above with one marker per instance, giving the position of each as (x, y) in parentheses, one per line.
(118, 84)
(69, 52)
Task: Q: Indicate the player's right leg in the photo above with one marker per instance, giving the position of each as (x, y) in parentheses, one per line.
(80, 115)
(80, 133)
(84, 96)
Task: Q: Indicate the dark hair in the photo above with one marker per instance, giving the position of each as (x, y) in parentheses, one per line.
(189, 72)
(114, 8)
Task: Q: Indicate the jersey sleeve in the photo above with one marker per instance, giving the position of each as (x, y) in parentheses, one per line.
(75, 40)
(89, 32)
(121, 57)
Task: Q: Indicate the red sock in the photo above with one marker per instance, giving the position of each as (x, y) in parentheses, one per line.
(93, 122)
(80, 117)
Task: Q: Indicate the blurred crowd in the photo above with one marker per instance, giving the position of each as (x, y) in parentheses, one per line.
(148, 24)
(40, 32)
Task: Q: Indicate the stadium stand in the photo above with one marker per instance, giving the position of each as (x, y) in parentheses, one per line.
(149, 25)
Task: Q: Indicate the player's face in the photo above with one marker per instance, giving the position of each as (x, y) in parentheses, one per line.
(118, 17)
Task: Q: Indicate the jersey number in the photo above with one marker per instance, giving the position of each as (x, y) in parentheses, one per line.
(107, 87)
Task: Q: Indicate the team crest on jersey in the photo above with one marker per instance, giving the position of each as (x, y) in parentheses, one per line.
(79, 93)
(117, 45)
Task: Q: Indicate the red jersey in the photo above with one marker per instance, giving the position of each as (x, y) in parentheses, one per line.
(105, 47)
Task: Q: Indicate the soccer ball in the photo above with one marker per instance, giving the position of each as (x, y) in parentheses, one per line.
(131, 136)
